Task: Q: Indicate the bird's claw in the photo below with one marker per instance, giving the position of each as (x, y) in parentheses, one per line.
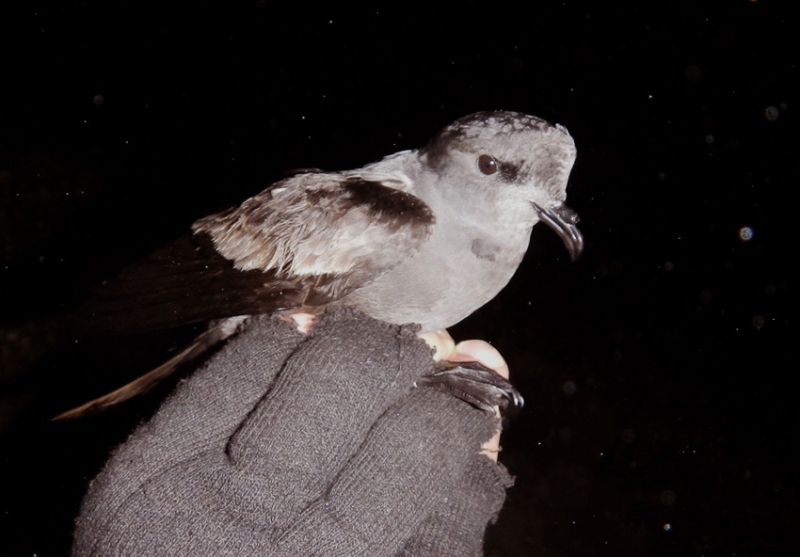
(475, 384)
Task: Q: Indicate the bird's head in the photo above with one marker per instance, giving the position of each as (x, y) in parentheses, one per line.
(517, 163)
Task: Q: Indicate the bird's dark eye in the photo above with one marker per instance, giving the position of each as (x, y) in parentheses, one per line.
(487, 164)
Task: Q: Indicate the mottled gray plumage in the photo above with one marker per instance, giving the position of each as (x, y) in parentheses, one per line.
(423, 236)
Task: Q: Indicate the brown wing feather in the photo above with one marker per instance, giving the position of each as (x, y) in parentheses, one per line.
(186, 282)
(322, 241)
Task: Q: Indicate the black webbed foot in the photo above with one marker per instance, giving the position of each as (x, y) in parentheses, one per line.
(475, 384)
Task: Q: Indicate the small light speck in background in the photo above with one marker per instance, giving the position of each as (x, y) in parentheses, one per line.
(628, 436)
(667, 497)
(772, 113)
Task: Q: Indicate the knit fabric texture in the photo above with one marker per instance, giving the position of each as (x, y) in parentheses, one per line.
(292, 445)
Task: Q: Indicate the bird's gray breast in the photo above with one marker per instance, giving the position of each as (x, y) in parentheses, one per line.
(460, 268)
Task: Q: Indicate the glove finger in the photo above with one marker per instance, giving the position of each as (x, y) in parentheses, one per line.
(408, 466)
(207, 408)
(202, 412)
(458, 526)
(322, 405)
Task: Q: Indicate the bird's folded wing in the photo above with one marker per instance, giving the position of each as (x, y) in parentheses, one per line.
(303, 243)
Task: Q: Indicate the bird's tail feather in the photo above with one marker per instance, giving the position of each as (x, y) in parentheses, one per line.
(216, 333)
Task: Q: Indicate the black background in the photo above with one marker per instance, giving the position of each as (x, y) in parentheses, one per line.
(660, 415)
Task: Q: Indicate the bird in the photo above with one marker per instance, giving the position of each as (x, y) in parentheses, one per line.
(424, 236)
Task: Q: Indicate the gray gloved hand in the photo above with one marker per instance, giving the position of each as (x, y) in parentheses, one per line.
(286, 445)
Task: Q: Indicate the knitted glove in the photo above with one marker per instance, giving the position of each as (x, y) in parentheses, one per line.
(287, 445)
